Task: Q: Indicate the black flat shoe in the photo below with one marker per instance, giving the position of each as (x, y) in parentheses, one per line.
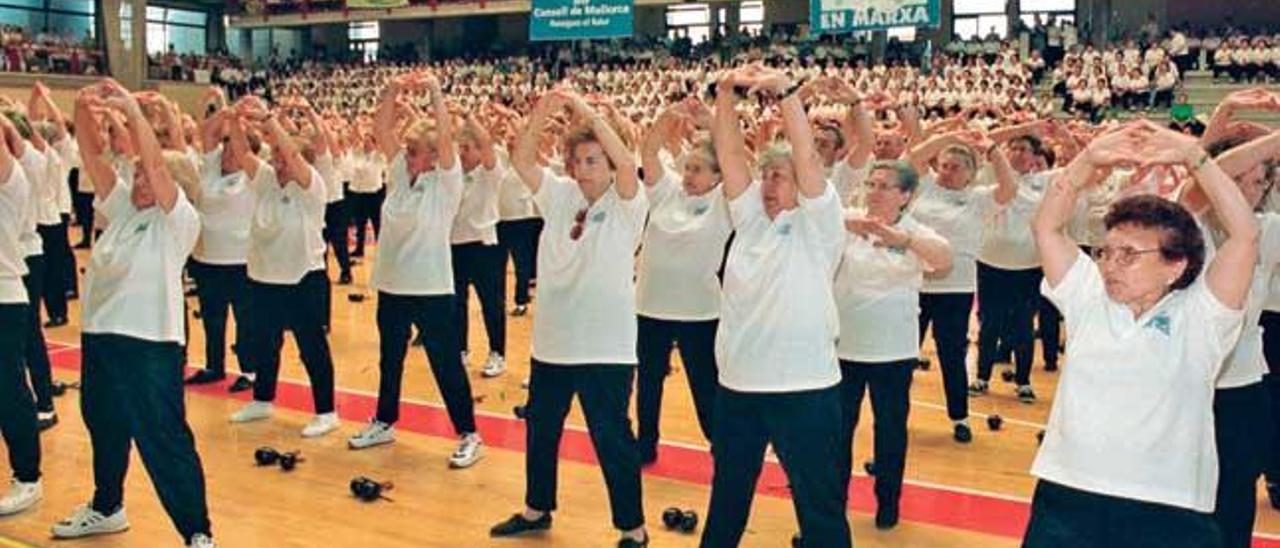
(887, 517)
(205, 376)
(55, 322)
(628, 542)
(344, 278)
(517, 525)
(241, 384)
(47, 422)
(962, 433)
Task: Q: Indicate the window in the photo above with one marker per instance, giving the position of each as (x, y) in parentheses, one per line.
(185, 30)
(56, 20)
(903, 34)
(751, 16)
(692, 21)
(979, 18)
(972, 7)
(362, 37)
(1060, 10)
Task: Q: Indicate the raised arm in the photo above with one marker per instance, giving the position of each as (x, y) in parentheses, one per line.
(727, 137)
(445, 146)
(659, 133)
(91, 142)
(384, 120)
(525, 157)
(151, 156)
(857, 124)
(484, 142)
(920, 155)
(1230, 273)
(1241, 159)
(626, 181)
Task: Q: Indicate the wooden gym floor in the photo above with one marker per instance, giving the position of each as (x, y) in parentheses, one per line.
(957, 495)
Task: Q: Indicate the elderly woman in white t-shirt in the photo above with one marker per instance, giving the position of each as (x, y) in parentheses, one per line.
(877, 291)
(1128, 456)
(677, 290)
(779, 375)
(584, 333)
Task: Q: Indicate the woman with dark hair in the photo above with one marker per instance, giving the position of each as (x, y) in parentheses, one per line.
(1128, 456)
(584, 334)
(877, 292)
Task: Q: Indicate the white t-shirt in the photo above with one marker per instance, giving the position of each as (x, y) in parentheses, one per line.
(33, 166)
(958, 216)
(683, 247)
(778, 321)
(848, 181)
(1133, 414)
(1246, 363)
(226, 206)
(1007, 241)
(46, 183)
(15, 195)
(366, 171)
(515, 201)
(69, 154)
(286, 239)
(327, 166)
(586, 294)
(133, 285)
(877, 291)
(413, 249)
(477, 218)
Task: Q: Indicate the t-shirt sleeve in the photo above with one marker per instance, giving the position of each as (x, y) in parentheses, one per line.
(1222, 322)
(397, 171)
(265, 177)
(117, 205)
(184, 226)
(1269, 241)
(825, 217)
(661, 190)
(1080, 287)
(747, 208)
(451, 182)
(551, 192)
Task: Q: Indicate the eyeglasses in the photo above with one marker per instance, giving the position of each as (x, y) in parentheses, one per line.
(1123, 255)
(579, 224)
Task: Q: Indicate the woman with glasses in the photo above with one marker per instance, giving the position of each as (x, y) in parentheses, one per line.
(877, 291)
(1128, 456)
(948, 203)
(584, 334)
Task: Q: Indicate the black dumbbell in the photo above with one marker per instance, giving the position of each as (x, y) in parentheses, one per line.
(1007, 375)
(688, 521)
(869, 467)
(521, 412)
(922, 364)
(369, 490)
(60, 388)
(994, 422)
(356, 297)
(267, 456)
(671, 517)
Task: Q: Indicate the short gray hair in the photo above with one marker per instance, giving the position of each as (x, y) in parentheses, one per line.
(777, 151)
(908, 178)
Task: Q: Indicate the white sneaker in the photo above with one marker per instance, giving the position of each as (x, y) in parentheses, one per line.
(320, 425)
(495, 366)
(468, 451)
(88, 522)
(253, 411)
(377, 433)
(201, 540)
(524, 383)
(20, 497)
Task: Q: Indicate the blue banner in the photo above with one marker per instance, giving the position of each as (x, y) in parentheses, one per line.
(836, 16)
(579, 19)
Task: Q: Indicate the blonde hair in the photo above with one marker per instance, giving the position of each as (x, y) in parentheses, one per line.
(964, 153)
(774, 153)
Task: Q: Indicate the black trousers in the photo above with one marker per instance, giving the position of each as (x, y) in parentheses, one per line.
(696, 341)
(336, 225)
(58, 261)
(604, 391)
(430, 314)
(70, 271)
(519, 240)
(804, 430)
(221, 289)
(1066, 517)
(366, 207)
(17, 408)
(1049, 322)
(1007, 301)
(1242, 433)
(949, 315)
(299, 308)
(37, 354)
(890, 387)
(132, 393)
(480, 265)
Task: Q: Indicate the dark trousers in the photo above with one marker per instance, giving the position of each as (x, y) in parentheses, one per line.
(336, 224)
(696, 341)
(299, 308)
(70, 273)
(1242, 428)
(949, 314)
(804, 430)
(1066, 517)
(430, 314)
(480, 265)
(1050, 330)
(221, 289)
(604, 392)
(1007, 301)
(519, 240)
(890, 387)
(17, 409)
(366, 207)
(58, 261)
(37, 353)
(132, 393)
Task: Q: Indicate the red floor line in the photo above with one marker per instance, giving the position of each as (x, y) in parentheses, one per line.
(959, 510)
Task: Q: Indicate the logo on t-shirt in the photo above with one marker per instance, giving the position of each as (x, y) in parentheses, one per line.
(701, 209)
(784, 230)
(598, 217)
(1160, 323)
(141, 228)
(284, 200)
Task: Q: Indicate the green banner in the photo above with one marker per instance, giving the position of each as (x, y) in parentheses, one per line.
(836, 16)
(376, 4)
(578, 19)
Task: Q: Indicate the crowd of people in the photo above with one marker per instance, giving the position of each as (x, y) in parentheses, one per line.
(48, 52)
(794, 229)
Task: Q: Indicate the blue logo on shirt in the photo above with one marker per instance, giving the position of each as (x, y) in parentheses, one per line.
(141, 228)
(284, 200)
(784, 230)
(700, 209)
(598, 217)
(1160, 323)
